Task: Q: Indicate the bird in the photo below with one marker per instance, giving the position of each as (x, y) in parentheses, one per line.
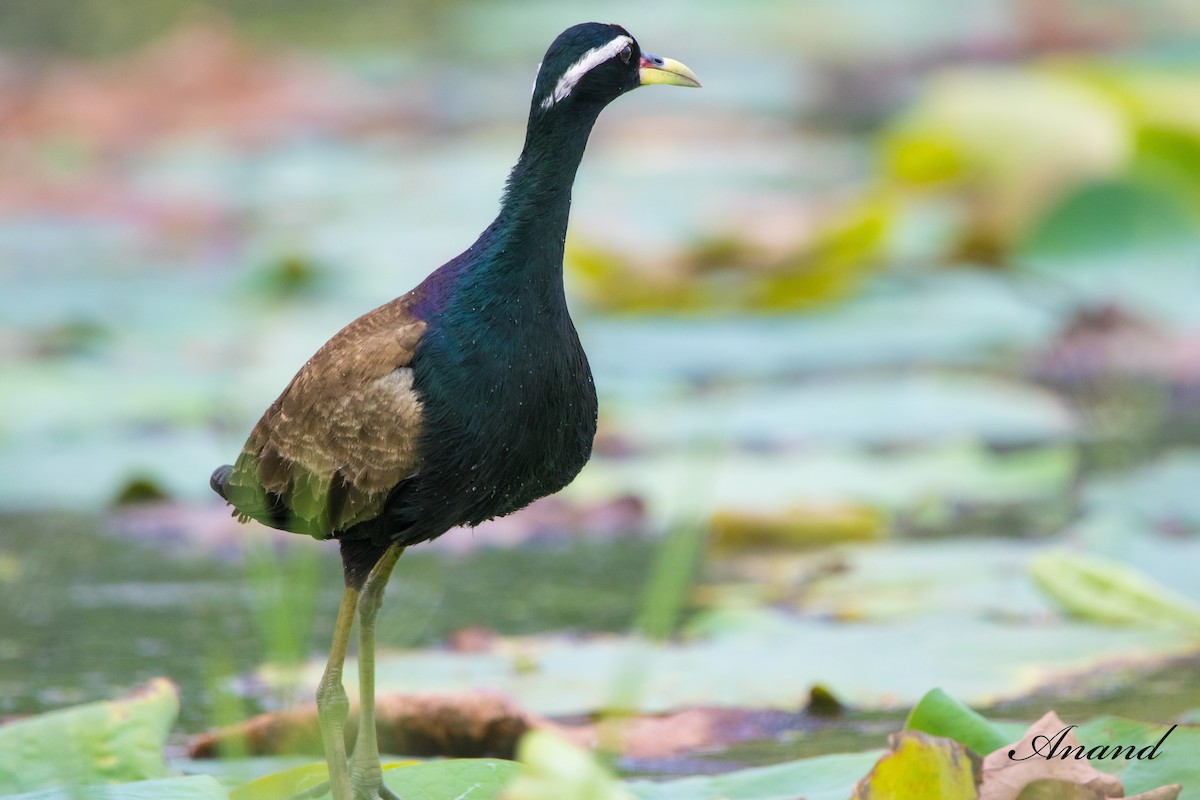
(465, 399)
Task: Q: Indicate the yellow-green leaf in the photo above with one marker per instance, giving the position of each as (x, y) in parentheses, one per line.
(280, 785)
(938, 714)
(553, 769)
(110, 742)
(189, 787)
(919, 767)
(1097, 589)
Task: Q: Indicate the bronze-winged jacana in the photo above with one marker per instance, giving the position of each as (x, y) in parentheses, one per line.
(463, 400)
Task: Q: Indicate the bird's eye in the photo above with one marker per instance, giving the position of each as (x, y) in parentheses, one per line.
(626, 54)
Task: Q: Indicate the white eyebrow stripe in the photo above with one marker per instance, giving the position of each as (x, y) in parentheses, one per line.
(589, 60)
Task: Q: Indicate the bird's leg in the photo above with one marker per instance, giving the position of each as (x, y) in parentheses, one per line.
(332, 704)
(366, 774)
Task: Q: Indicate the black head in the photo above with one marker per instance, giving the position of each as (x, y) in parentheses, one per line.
(594, 63)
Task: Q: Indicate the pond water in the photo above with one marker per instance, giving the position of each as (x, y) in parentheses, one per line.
(89, 613)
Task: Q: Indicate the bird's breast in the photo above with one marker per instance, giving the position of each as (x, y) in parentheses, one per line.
(509, 415)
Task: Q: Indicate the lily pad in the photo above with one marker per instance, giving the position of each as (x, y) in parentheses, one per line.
(1106, 591)
(1161, 755)
(917, 764)
(192, 787)
(1174, 759)
(822, 778)
(1156, 283)
(279, 785)
(468, 779)
(552, 768)
(1107, 216)
(1168, 558)
(450, 779)
(1013, 139)
(896, 580)
(686, 485)
(962, 615)
(938, 714)
(920, 408)
(774, 666)
(110, 742)
(1162, 493)
(961, 317)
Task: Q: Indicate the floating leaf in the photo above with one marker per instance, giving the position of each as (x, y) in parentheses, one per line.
(453, 779)
(826, 262)
(796, 527)
(933, 317)
(1013, 138)
(1171, 792)
(233, 773)
(902, 579)
(1160, 494)
(1105, 591)
(280, 785)
(843, 252)
(191, 787)
(823, 778)
(1174, 759)
(920, 766)
(1106, 217)
(611, 284)
(938, 714)
(920, 408)
(1158, 283)
(110, 742)
(1168, 128)
(552, 769)
(1171, 159)
(952, 476)
(294, 781)
(775, 665)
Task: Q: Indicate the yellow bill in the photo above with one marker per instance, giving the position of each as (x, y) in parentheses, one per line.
(655, 69)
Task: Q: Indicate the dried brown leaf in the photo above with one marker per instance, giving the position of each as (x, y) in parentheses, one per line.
(1009, 771)
(467, 725)
(1170, 792)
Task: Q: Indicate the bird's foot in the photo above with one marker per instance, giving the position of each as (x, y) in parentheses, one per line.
(387, 794)
(381, 792)
(366, 778)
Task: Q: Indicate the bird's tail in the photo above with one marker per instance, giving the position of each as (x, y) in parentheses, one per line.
(220, 479)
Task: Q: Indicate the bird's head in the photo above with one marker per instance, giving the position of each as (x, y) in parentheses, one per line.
(594, 63)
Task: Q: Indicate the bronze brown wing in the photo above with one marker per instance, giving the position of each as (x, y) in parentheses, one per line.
(341, 436)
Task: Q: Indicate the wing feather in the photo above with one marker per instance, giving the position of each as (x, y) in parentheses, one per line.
(341, 436)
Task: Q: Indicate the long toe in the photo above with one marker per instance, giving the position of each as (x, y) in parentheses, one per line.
(368, 783)
(380, 793)
(387, 794)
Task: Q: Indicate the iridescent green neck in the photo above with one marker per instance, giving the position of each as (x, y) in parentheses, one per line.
(523, 247)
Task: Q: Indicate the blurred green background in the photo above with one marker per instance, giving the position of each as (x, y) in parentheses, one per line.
(904, 301)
